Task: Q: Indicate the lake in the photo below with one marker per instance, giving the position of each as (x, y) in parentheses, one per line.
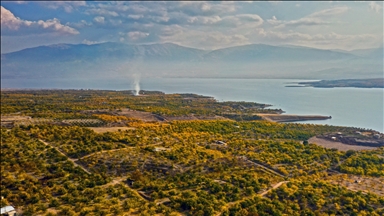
(355, 107)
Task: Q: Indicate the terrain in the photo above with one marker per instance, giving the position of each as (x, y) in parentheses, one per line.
(358, 83)
(120, 60)
(95, 152)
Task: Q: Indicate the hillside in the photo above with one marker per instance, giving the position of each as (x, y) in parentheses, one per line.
(95, 152)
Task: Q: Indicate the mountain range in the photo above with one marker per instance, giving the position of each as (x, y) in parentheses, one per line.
(255, 61)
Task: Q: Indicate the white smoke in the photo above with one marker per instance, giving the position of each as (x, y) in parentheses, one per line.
(132, 69)
(136, 83)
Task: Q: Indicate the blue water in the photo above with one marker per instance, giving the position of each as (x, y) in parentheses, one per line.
(356, 107)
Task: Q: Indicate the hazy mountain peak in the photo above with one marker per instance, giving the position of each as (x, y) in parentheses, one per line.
(60, 46)
(61, 60)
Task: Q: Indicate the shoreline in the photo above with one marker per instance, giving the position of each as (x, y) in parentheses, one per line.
(292, 118)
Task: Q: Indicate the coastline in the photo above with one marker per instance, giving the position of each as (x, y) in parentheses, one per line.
(291, 118)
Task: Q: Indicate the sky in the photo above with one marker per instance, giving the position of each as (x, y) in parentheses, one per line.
(199, 24)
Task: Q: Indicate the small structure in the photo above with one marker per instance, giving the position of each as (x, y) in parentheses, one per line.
(8, 210)
(160, 149)
(334, 138)
(130, 182)
(376, 136)
(357, 132)
(357, 181)
(221, 142)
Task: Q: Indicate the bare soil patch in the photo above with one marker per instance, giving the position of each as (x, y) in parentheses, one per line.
(14, 118)
(9, 121)
(110, 129)
(359, 183)
(338, 145)
(194, 117)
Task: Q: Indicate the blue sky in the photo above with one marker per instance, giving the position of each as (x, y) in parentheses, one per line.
(199, 24)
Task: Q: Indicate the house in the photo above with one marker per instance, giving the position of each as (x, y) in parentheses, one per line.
(8, 210)
(333, 138)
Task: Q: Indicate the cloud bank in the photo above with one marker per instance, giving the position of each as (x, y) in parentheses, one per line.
(11, 25)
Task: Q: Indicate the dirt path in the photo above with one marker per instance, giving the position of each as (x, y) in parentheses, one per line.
(99, 152)
(115, 181)
(265, 168)
(274, 187)
(70, 159)
(261, 194)
(338, 145)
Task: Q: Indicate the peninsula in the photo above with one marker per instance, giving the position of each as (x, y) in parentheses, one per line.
(357, 83)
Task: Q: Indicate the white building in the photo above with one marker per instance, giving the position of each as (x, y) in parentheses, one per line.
(8, 210)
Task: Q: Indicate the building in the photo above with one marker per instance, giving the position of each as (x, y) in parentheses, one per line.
(8, 210)
(221, 142)
(160, 149)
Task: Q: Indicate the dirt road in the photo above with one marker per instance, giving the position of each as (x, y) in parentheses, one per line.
(70, 159)
(274, 187)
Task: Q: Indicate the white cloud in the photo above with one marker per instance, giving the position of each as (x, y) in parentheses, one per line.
(99, 19)
(200, 8)
(314, 19)
(135, 35)
(295, 23)
(327, 40)
(374, 6)
(68, 6)
(204, 20)
(207, 39)
(304, 22)
(102, 12)
(227, 21)
(250, 17)
(80, 24)
(11, 25)
(135, 17)
(274, 21)
(88, 42)
(330, 12)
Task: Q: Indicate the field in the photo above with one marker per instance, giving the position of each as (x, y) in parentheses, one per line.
(338, 145)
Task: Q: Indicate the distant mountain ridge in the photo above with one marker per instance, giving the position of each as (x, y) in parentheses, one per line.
(72, 60)
(281, 53)
(104, 50)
